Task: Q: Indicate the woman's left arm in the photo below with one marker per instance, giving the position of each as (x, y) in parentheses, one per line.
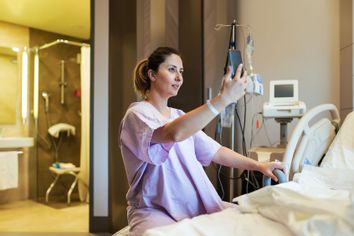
(226, 157)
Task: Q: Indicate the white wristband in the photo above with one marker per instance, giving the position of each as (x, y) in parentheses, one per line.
(212, 108)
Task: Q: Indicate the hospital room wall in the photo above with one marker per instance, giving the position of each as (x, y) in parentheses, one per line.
(346, 58)
(293, 40)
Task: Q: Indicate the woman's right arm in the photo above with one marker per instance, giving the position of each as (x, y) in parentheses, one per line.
(195, 120)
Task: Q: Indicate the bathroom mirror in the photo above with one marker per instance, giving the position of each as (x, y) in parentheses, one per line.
(9, 79)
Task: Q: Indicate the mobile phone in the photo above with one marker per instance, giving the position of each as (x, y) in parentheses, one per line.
(233, 60)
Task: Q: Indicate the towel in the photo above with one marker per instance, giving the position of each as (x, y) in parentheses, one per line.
(8, 170)
(62, 165)
(56, 129)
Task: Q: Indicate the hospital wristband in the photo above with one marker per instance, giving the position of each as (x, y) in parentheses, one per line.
(212, 108)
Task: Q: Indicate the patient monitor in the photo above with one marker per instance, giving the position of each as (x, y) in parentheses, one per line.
(283, 105)
(283, 100)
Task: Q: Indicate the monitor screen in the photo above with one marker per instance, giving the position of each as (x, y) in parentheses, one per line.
(283, 90)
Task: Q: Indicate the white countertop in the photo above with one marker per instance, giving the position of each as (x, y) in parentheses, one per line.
(16, 142)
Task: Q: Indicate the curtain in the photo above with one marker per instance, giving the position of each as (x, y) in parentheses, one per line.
(85, 125)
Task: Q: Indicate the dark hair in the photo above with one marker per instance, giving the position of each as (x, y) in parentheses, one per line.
(142, 81)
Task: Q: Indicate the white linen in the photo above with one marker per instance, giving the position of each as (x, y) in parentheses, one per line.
(317, 204)
(341, 152)
(224, 223)
(8, 170)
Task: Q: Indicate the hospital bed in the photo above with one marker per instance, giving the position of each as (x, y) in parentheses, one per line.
(319, 199)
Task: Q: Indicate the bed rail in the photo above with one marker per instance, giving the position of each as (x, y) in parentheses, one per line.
(302, 139)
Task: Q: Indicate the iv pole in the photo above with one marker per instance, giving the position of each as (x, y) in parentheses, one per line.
(232, 49)
(234, 58)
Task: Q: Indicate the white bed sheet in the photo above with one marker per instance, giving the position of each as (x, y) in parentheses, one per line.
(225, 223)
(319, 202)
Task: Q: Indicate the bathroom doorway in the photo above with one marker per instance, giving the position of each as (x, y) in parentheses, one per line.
(56, 37)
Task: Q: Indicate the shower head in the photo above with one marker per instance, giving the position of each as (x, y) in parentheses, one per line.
(46, 96)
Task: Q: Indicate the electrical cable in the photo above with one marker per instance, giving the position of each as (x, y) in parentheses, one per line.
(243, 141)
(252, 126)
(244, 126)
(220, 182)
(266, 133)
(218, 168)
(250, 177)
(218, 135)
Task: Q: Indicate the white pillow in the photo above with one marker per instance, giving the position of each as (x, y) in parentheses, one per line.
(341, 152)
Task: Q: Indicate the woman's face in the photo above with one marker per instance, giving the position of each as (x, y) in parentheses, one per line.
(168, 79)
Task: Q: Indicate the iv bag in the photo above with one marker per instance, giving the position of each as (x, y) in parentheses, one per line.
(228, 115)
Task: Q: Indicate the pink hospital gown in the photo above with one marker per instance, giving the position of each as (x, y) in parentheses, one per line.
(167, 180)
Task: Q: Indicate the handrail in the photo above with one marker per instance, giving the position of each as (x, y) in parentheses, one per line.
(299, 129)
(282, 177)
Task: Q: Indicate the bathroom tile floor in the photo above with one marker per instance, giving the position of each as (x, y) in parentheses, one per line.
(29, 218)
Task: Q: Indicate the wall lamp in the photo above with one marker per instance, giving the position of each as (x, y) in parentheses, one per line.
(24, 84)
(36, 84)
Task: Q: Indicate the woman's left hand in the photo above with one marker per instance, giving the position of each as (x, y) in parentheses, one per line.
(267, 168)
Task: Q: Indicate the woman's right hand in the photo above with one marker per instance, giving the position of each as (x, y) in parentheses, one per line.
(232, 89)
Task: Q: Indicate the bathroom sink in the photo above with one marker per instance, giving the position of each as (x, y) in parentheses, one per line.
(16, 142)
